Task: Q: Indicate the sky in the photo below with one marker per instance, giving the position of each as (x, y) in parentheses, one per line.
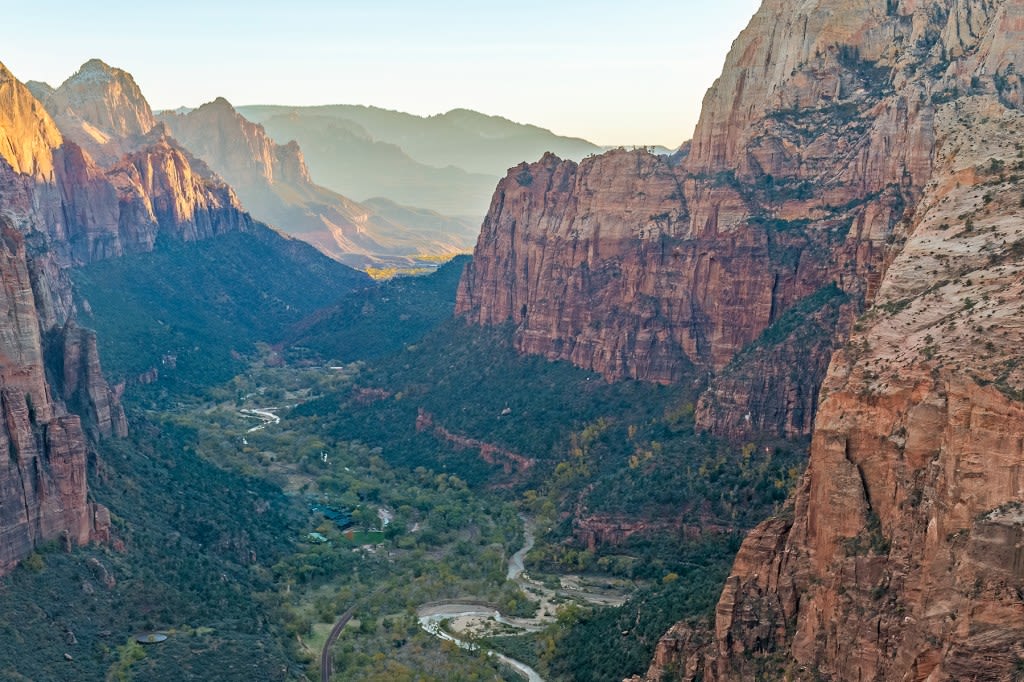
(614, 72)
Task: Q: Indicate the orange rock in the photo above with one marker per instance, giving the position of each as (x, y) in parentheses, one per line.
(901, 559)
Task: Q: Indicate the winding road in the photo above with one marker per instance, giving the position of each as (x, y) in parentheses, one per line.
(264, 415)
(431, 616)
(326, 663)
(431, 619)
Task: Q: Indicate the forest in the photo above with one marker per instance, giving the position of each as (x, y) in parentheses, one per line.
(436, 438)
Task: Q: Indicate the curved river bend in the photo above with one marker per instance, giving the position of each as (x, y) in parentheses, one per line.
(432, 615)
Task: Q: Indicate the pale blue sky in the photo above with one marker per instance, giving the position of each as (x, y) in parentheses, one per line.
(616, 72)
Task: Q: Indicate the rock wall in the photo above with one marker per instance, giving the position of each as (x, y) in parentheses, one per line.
(100, 108)
(43, 449)
(801, 173)
(115, 181)
(60, 208)
(900, 556)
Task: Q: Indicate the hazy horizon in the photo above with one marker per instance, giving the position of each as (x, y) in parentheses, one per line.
(612, 74)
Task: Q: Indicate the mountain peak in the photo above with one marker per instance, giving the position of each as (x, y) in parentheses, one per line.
(97, 70)
(106, 102)
(40, 89)
(218, 105)
(96, 64)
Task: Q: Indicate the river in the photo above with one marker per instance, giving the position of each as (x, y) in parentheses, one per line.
(431, 616)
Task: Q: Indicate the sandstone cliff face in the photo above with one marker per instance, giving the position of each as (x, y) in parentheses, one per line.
(43, 449)
(83, 387)
(900, 558)
(27, 135)
(101, 109)
(273, 182)
(58, 208)
(236, 148)
(805, 162)
(161, 186)
(633, 267)
(117, 179)
(157, 190)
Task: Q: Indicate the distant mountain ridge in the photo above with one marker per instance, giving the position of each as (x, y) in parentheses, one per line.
(467, 139)
(102, 111)
(273, 182)
(448, 162)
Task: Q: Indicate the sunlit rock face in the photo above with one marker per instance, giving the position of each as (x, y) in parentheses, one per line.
(59, 208)
(100, 108)
(900, 555)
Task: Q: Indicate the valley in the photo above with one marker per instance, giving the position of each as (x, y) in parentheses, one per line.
(745, 410)
(343, 427)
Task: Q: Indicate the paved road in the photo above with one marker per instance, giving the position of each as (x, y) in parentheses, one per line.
(325, 656)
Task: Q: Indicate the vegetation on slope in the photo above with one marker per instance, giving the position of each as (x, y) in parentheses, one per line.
(190, 310)
(192, 545)
(379, 321)
(449, 428)
(608, 453)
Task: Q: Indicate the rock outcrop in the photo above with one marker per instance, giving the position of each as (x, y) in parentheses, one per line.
(60, 208)
(900, 555)
(83, 387)
(273, 183)
(100, 108)
(640, 266)
(43, 449)
(96, 174)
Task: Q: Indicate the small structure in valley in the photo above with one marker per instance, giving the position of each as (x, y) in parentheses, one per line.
(151, 638)
(341, 517)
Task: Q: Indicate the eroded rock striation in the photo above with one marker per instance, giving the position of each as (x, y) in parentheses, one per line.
(900, 556)
(107, 178)
(43, 448)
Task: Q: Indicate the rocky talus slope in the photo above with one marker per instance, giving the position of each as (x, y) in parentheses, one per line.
(900, 555)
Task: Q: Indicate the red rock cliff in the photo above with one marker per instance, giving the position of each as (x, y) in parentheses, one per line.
(900, 558)
(58, 208)
(118, 178)
(43, 449)
(802, 168)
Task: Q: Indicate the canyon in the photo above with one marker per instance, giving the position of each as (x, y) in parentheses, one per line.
(222, 161)
(99, 179)
(273, 182)
(871, 148)
(838, 253)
